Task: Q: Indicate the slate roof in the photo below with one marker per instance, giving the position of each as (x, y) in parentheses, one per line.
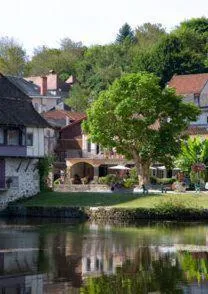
(189, 84)
(29, 88)
(57, 118)
(16, 107)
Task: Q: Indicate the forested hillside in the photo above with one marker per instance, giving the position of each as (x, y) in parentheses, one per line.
(145, 48)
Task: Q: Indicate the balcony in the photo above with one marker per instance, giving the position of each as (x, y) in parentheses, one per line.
(13, 151)
(80, 153)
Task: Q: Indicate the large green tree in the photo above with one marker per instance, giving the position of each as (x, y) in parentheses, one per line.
(139, 119)
(12, 57)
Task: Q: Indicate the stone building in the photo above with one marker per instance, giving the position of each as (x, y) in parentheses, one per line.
(21, 143)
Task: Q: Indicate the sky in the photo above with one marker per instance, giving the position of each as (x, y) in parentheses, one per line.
(45, 22)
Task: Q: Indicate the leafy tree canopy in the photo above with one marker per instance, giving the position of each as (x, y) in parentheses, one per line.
(148, 34)
(142, 121)
(12, 57)
(79, 99)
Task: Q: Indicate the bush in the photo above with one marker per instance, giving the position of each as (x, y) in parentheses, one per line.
(57, 182)
(153, 180)
(134, 174)
(166, 181)
(172, 204)
(129, 183)
(108, 180)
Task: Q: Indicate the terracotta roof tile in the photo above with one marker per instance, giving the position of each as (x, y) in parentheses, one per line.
(62, 114)
(189, 84)
(197, 130)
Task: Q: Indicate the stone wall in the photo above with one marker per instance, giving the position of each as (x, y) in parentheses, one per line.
(22, 180)
(82, 188)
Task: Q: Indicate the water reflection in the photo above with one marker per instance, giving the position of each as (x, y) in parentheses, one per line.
(52, 257)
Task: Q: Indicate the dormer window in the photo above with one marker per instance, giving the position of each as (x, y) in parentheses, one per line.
(196, 99)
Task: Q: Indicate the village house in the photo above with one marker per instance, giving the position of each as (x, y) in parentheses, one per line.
(21, 143)
(42, 99)
(53, 90)
(194, 88)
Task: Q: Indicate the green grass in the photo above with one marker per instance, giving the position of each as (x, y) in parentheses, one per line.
(58, 199)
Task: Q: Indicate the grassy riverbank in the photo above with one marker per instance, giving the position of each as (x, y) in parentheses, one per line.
(129, 201)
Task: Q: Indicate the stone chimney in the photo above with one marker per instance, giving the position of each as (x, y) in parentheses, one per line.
(43, 87)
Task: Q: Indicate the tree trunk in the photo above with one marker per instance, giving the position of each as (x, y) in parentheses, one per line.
(143, 172)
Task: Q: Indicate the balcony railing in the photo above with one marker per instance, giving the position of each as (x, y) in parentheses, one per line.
(80, 153)
(6, 150)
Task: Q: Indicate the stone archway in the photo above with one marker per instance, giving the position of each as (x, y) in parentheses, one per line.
(82, 169)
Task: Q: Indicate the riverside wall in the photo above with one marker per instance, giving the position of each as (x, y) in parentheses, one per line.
(105, 213)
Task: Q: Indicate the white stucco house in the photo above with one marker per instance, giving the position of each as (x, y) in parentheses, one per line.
(21, 143)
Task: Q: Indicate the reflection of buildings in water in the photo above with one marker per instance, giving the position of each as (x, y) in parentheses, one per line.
(20, 261)
(18, 251)
(19, 255)
(28, 284)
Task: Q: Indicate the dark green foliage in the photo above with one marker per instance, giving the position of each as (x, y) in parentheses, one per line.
(125, 34)
(44, 167)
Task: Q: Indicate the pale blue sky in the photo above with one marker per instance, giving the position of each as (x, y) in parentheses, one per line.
(45, 22)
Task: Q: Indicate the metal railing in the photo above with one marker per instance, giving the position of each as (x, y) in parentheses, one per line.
(83, 153)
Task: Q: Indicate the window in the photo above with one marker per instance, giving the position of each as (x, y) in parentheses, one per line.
(88, 146)
(13, 137)
(1, 136)
(29, 139)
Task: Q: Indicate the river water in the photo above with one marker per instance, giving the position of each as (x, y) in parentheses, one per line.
(49, 256)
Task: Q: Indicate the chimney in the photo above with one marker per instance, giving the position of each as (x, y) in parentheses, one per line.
(43, 88)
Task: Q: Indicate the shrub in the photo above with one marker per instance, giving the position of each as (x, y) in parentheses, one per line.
(108, 180)
(129, 183)
(57, 182)
(134, 174)
(172, 204)
(167, 181)
(153, 180)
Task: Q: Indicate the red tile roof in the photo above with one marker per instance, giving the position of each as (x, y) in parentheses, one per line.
(62, 114)
(197, 130)
(189, 84)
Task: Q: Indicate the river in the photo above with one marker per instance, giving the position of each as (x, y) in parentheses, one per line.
(52, 256)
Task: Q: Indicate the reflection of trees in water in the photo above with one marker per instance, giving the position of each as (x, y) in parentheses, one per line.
(148, 272)
(194, 265)
(64, 253)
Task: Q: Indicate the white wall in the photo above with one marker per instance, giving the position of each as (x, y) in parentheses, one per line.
(202, 119)
(50, 140)
(45, 104)
(37, 150)
(25, 177)
(204, 96)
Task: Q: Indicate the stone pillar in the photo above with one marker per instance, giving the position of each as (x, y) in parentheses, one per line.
(96, 173)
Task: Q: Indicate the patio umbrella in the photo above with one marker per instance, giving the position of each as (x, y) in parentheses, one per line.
(119, 167)
(161, 167)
